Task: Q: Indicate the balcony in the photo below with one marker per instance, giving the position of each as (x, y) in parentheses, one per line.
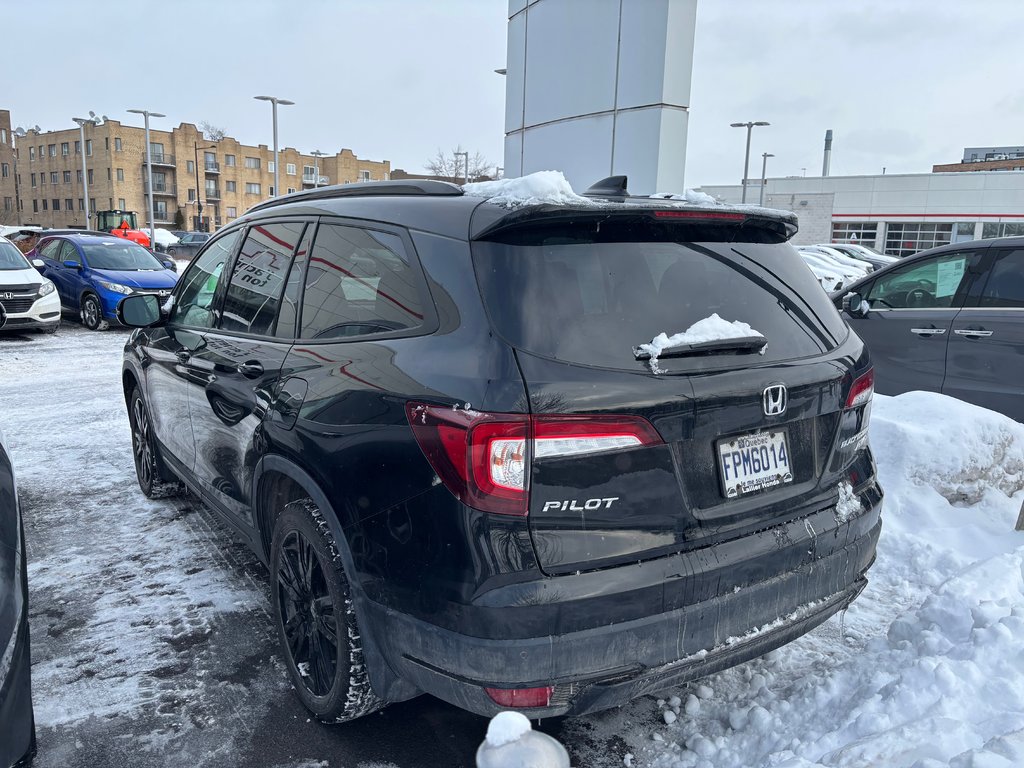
(309, 178)
(163, 216)
(211, 193)
(162, 188)
(160, 159)
(211, 166)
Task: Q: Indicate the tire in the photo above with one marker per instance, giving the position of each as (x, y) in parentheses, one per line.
(92, 313)
(315, 617)
(171, 252)
(50, 330)
(155, 480)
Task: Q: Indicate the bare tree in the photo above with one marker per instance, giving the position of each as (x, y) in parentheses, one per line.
(452, 165)
(210, 131)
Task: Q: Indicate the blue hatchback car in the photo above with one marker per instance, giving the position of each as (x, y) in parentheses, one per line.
(93, 273)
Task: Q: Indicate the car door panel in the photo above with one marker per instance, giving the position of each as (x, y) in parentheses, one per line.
(985, 357)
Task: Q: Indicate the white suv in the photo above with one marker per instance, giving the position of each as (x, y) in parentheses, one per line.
(27, 299)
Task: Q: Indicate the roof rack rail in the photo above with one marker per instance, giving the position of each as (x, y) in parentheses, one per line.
(426, 187)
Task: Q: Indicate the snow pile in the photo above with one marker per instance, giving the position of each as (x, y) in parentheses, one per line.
(712, 328)
(533, 189)
(510, 743)
(691, 196)
(925, 669)
(163, 236)
(918, 429)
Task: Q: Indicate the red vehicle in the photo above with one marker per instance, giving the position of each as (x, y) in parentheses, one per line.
(122, 224)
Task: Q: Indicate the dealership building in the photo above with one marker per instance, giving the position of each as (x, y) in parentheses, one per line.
(898, 214)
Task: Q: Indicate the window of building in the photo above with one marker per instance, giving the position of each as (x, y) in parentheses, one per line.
(33, 179)
(67, 177)
(257, 280)
(65, 148)
(3, 135)
(229, 160)
(232, 212)
(364, 176)
(108, 174)
(31, 153)
(156, 151)
(117, 144)
(78, 147)
(270, 166)
(91, 180)
(252, 162)
(78, 176)
(855, 232)
(8, 204)
(160, 210)
(42, 178)
(252, 189)
(54, 177)
(358, 282)
(88, 147)
(190, 166)
(42, 151)
(290, 190)
(308, 172)
(69, 204)
(35, 206)
(230, 186)
(106, 143)
(120, 174)
(1001, 229)
(51, 149)
(111, 203)
(290, 169)
(46, 206)
(92, 204)
(5, 170)
(56, 204)
(121, 204)
(903, 239)
(191, 195)
(271, 191)
(81, 203)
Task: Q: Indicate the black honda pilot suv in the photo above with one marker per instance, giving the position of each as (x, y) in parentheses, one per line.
(446, 424)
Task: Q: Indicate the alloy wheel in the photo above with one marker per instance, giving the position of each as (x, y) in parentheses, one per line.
(90, 313)
(140, 443)
(307, 614)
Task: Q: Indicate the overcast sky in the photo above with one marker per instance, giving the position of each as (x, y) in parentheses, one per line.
(903, 83)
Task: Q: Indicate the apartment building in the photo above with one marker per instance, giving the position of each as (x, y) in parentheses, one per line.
(8, 172)
(221, 179)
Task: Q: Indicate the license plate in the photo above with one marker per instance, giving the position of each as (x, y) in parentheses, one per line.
(749, 463)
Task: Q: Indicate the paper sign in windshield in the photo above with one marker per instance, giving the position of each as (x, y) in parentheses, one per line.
(949, 277)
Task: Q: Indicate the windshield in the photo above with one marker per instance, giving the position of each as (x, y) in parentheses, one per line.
(108, 220)
(11, 258)
(591, 302)
(120, 255)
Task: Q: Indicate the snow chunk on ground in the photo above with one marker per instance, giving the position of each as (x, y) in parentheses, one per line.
(691, 196)
(506, 727)
(533, 189)
(712, 328)
(958, 449)
(510, 743)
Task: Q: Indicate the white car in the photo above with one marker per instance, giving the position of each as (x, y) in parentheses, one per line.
(843, 258)
(864, 253)
(27, 299)
(817, 258)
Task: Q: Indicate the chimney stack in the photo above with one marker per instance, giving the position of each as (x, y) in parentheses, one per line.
(828, 152)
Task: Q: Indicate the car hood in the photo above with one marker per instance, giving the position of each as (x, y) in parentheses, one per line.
(165, 278)
(19, 277)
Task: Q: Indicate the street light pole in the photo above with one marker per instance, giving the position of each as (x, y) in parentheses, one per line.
(149, 174)
(274, 101)
(764, 169)
(746, 158)
(85, 171)
(317, 154)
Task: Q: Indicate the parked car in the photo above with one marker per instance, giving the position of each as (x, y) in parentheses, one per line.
(27, 299)
(188, 245)
(864, 253)
(823, 265)
(17, 726)
(947, 320)
(842, 258)
(438, 420)
(93, 272)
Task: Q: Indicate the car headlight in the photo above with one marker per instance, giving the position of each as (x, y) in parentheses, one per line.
(116, 288)
(46, 288)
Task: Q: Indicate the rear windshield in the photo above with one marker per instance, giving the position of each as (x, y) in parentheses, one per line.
(590, 302)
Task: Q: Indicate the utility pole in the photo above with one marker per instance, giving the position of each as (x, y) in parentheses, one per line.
(149, 174)
(746, 158)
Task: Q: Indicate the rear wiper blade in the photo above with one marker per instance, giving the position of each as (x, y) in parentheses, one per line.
(740, 344)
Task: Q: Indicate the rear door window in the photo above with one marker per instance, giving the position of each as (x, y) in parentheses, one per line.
(359, 282)
(258, 277)
(590, 302)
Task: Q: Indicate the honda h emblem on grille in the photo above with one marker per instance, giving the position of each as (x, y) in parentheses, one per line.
(6, 295)
(774, 400)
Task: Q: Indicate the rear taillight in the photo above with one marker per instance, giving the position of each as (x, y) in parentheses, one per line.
(521, 698)
(862, 389)
(484, 458)
(700, 214)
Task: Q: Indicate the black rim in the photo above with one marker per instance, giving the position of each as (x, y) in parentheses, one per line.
(90, 313)
(140, 443)
(307, 614)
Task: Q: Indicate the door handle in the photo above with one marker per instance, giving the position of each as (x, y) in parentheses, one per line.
(183, 356)
(251, 369)
(972, 333)
(928, 331)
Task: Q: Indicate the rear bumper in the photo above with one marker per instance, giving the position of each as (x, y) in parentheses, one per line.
(606, 666)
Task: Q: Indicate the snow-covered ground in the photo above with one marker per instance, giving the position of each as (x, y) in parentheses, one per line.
(152, 645)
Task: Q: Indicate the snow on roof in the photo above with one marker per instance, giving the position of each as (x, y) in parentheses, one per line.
(532, 189)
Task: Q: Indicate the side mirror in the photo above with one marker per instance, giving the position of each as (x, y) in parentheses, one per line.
(70, 264)
(38, 263)
(139, 311)
(168, 264)
(855, 304)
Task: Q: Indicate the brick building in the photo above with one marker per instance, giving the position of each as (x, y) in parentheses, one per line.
(986, 159)
(224, 177)
(8, 172)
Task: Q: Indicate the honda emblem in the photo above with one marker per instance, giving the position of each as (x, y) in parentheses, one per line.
(6, 295)
(774, 400)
